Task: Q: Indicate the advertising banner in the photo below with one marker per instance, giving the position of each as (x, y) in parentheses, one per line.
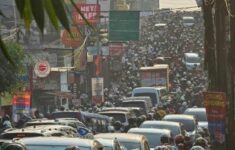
(97, 90)
(116, 49)
(215, 104)
(72, 39)
(90, 11)
(21, 105)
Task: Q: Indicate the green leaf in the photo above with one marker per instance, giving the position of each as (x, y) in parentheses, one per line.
(81, 14)
(2, 14)
(51, 14)
(27, 16)
(5, 52)
(20, 6)
(58, 6)
(38, 13)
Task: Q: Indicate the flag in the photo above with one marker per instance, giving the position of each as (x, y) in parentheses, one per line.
(98, 65)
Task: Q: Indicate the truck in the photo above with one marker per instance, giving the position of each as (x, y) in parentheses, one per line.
(155, 76)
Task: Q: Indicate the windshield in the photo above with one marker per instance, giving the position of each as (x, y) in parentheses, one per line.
(153, 96)
(192, 59)
(65, 115)
(52, 147)
(108, 148)
(153, 139)
(134, 104)
(188, 125)
(131, 145)
(116, 117)
(174, 129)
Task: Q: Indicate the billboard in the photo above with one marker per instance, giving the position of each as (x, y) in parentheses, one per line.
(124, 25)
(90, 11)
(97, 90)
(72, 39)
(21, 105)
(215, 104)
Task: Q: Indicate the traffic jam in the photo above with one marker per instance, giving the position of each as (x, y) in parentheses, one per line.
(148, 93)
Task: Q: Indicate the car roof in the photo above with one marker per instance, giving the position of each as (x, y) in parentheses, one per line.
(195, 110)
(39, 129)
(161, 122)
(179, 116)
(56, 141)
(191, 54)
(150, 130)
(106, 142)
(121, 136)
(113, 112)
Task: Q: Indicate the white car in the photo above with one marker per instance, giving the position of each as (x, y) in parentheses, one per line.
(191, 60)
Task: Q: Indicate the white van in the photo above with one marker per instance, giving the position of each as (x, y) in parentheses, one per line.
(191, 60)
(188, 21)
(152, 92)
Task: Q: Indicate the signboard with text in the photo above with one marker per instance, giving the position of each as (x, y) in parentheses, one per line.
(21, 105)
(116, 49)
(97, 90)
(215, 104)
(90, 11)
(72, 39)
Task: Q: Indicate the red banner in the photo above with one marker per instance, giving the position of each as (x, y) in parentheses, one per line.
(90, 11)
(73, 39)
(116, 49)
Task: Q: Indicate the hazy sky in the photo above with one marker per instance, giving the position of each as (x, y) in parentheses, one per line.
(177, 3)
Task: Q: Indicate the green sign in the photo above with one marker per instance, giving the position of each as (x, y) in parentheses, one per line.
(124, 25)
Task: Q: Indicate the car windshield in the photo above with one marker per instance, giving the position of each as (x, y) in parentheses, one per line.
(174, 129)
(133, 104)
(151, 95)
(52, 147)
(108, 148)
(154, 139)
(131, 145)
(188, 125)
(116, 116)
(199, 115)
(192, 59)
(65, 115)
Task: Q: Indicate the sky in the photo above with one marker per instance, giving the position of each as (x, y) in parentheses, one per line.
(177, 3)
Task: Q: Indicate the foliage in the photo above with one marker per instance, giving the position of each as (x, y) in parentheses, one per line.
(9, 72)
(35, 9)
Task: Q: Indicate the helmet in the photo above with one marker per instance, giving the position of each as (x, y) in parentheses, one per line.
(179, 139)
(197, 148)
(117, 125)
(162, 147)
(201, 142)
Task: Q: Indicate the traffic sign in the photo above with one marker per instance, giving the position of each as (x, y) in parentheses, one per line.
(42, 69)
(83, 131)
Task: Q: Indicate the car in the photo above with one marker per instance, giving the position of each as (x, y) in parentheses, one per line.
(143, 102)
(57, 143)
(128, 140)
(175, 127)
(153, 135)
(110, 144)
(189, 123)
(199, 114)
(191, 61)
(40, 130)
(132, 110)
(188, 21)
(121, 116)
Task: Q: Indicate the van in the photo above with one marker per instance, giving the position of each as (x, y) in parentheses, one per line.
(188, 21)
(151, 92)
(191, 60)
(143, 102)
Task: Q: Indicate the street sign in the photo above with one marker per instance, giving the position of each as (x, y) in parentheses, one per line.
(116, 49)
(90, 11)
(97, 90)
(124, 25)
(42, 69)
(215, 104)
(72, 39)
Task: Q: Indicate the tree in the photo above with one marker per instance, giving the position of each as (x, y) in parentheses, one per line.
(9, 73)
(35, 9)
